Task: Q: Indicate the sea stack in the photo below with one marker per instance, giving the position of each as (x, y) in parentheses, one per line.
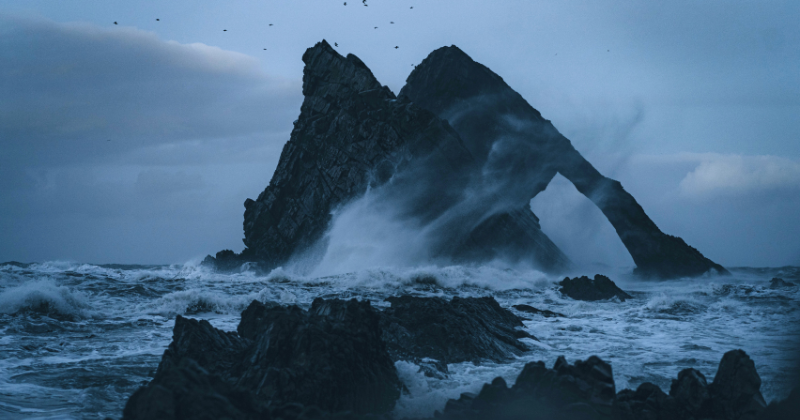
(458, 154)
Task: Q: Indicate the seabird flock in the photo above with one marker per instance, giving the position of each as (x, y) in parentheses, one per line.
(364, 2)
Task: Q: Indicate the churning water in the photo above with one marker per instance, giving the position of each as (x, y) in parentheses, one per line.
(77, 339)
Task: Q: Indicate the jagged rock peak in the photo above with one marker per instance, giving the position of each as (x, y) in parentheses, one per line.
(327, 72)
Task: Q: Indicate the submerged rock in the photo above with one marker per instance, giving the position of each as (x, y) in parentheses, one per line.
(779, 283)
(543, 312)
(461, 330)
(601, 288)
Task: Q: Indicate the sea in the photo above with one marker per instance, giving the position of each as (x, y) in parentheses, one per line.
(77, 339)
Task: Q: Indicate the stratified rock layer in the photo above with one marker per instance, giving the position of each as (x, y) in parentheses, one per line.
(464, 329)
(521, 152)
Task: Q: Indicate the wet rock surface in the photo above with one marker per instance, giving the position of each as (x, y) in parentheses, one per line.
(586, 390)
(599, 288)
(330, 357)
(523, 152)
(533, 311)
(461, 330)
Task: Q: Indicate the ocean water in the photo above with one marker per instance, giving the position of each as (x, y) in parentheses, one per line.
(77, 339)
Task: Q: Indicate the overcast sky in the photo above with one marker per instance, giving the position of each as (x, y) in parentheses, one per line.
(139, 142)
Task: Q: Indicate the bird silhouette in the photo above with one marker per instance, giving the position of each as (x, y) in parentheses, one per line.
(265, 49)
(412, 7)
(396, 47)
(158, 20)
(335, 44)
(365, 3)
(391, 23)
(115, 23)
(345, 3)
(224, 30)
(376, 27)
(270, 24)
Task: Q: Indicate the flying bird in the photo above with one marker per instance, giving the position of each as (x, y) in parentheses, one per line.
(335, 44)
(265, 49)
(270, 24)
(158, 20)
(345, 3)
(396, 47)
(392, 23)
(115, 23)
(412, 7)
(376, 27)
(224, 30)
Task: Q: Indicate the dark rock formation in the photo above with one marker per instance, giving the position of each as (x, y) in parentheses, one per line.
(353, 133)
(531, 310)
(582, 288)
(584, 390)
(779, 283)
(227, 261)
(734, 394)
(521, 152)
(464, 329)
(283, 358)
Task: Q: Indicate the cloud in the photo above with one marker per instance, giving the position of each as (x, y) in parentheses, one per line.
(78, 92)
(718, 174)
(116, 145)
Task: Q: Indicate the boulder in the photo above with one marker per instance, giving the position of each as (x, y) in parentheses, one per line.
(283, 363)
(461, 330)
(735, 392)
(582, 288)
(584, 390)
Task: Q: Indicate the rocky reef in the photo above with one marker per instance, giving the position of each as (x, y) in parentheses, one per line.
(586, 391)
(336, 361)
(599, 288)
(457, 154)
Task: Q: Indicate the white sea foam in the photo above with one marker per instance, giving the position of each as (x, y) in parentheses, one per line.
(45, 297)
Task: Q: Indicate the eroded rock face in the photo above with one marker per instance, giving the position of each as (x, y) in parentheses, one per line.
(584, 390)
(464, 329)
(521, 152)
(283, 358)
(352, 134)
(583, 288)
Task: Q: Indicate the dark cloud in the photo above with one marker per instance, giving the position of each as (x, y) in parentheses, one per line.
(119, 146)
(75, 92)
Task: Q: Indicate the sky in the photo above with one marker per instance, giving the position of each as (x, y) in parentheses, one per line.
(139, 142)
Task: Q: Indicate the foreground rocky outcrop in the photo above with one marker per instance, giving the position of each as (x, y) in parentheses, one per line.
(462, 330)
(586, 390)
(337, 357)
(600, 288)
(330, 357)
(335, 361)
